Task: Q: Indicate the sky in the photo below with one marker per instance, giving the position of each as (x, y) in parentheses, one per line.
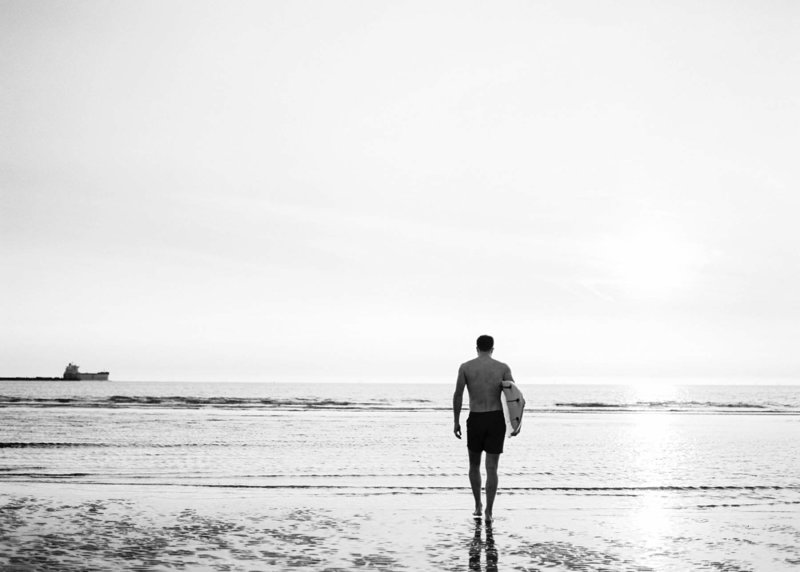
(355, 190)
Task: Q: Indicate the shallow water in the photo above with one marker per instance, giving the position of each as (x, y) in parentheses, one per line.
(371, 438)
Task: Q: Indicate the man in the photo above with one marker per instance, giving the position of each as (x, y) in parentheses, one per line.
(486, 427)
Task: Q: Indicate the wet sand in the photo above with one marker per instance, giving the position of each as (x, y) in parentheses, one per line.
(52, 526)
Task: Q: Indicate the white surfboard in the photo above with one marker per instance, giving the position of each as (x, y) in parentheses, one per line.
(513, 406)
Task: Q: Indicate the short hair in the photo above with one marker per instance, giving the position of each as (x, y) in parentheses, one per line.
(485, 343)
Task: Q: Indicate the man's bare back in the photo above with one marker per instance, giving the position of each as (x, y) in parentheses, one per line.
(483, 377)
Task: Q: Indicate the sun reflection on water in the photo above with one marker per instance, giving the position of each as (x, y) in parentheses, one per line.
(653, 462)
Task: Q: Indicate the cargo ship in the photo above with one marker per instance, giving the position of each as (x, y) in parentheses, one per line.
(71, 373)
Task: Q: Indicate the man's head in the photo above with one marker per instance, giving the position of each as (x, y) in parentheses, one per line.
(485, 343)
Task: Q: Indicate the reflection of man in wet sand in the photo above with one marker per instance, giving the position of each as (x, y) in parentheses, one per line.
(486, 426)
(475, 549)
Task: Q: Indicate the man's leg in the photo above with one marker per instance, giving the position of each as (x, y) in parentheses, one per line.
(475, 478)
(492, 460)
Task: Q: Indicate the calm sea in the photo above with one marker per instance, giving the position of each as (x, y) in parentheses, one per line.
(373, 439)
(337, 477)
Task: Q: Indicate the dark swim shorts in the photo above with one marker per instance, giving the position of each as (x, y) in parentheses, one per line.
(486, 431)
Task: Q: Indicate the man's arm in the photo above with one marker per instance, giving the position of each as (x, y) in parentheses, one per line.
(458, 396)
(507, 377)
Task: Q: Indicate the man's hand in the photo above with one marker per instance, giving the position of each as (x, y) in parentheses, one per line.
(457, 430)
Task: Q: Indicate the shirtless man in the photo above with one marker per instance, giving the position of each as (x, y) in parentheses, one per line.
(486, 426)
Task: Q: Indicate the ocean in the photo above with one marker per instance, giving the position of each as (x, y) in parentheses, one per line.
(627, 477)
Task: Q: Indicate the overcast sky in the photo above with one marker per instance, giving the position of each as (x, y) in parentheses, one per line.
(288, 191)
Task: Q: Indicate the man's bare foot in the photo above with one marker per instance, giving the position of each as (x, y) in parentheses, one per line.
(478, 511)
(488, 517)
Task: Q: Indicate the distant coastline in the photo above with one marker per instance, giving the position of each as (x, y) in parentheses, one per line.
(31, 379)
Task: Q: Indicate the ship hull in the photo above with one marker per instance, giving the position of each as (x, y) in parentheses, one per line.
(100, 376)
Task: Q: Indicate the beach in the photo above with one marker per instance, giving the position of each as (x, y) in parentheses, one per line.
(76, 528)
(327, 480)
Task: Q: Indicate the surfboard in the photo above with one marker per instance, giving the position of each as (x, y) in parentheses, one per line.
(513, 406)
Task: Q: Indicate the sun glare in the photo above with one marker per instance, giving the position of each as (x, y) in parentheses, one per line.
(651, 392)
(650, 261)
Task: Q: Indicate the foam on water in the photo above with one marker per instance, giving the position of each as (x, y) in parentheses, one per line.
(398, 397)
(369, 438)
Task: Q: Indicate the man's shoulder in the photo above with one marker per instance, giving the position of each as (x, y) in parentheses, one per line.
(499, 364)
(478, 362)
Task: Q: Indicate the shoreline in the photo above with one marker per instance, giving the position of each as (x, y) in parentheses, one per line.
(66, 526)
(36, 379)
